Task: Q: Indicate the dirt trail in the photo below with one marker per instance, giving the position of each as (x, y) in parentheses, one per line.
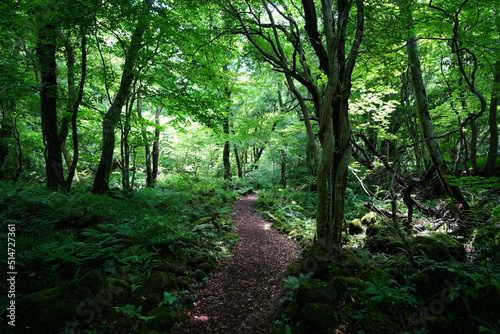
(241, 295)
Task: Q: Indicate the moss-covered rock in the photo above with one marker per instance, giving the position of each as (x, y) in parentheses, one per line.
(354, 227)
(377, 323)
(439, 247)
(346, 285)
(95, 281)
(48, 310)
(487, 242)
(184, 282)
(120, 290)
(151, 292)
(319, 316)
(316, 291)
(350, 260)
(163, 319)
(371, 218)
(295, 269)
(399, 268)
(384, 244)
(372, 230)
(178, 268)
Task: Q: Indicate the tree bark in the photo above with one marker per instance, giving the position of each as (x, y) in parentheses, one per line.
(155, 155)
(147, 148)
(46, 52)
(490, 169)
(112, 116)
(426, 125)
(226, 152)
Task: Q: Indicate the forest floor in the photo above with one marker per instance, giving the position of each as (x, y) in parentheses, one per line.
(241, 295)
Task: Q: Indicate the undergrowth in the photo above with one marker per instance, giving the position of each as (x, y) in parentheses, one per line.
(60, 236)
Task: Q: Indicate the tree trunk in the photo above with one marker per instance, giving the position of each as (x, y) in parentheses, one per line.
(147, 149)
(125, 147)
(226, 152)
(493, 123)
(112, 116)
(238, 162)
(155, 155)
(426, 124)
(46, 52)
(283, 168)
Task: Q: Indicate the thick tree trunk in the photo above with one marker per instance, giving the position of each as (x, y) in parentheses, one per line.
(112, 116)
(426, 124)
(46, 52)
(493, 123)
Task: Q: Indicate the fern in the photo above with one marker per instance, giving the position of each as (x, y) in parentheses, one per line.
(135, 254)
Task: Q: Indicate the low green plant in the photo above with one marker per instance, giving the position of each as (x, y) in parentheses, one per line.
(133, 311)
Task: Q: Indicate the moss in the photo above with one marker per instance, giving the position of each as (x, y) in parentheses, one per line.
(163, 319)
(150, 293)
(384, 244)
(94, 280)
(376, 273)
(48, 310)
(349, 259)
(345, 285)
(371, 218)
(354, 227)
(377, 323)
(372, 230)
(319, 316)
(455, 248)
(202, 259)
(487, 242)
(432, 247)
(316, 291)
(295, 269)
(399, 268)
(178, 268)
(120, 290)
(184, 282)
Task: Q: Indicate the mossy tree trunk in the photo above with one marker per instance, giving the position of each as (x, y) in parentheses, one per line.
(426, 125)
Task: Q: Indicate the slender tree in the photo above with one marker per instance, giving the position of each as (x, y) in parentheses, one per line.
(112, 116)
(279, 38)
(426, 125)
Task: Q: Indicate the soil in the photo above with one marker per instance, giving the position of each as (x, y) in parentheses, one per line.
(240, 297)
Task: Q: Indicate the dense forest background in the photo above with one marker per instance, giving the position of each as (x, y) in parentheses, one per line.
(369, 129)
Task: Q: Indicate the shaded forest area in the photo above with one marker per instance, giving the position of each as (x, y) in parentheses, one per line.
(368, 128)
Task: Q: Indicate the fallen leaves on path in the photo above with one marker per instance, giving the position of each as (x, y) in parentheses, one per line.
(240, 297)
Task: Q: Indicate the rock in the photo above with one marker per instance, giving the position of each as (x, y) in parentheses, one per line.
(371, 218)
(50, 309)
(345, 285)
(354, 227)
(319, 316)
(377, 323)
(163, 320)
(94, 280)
(184, 282)
(384, 244)
(151, 292)
(316, 291)
(439, 247)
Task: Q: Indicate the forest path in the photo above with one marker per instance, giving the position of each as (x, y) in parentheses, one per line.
(241, 295)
